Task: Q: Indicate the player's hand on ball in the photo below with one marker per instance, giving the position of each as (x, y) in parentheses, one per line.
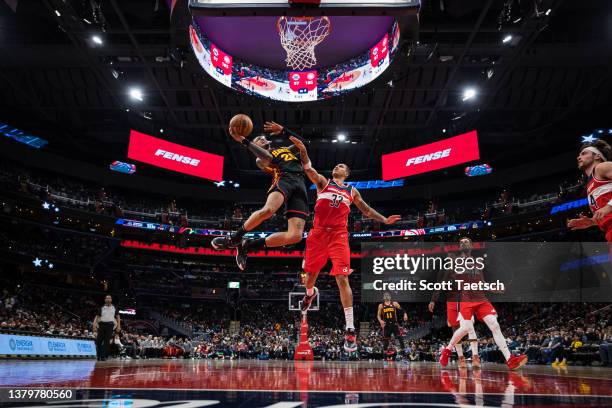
(431, 306)
(602, 212)
(235, 136)
(582, 222)
(392, 219)
(273, 128)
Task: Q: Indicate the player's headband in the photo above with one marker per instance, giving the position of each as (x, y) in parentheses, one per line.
(594, 150)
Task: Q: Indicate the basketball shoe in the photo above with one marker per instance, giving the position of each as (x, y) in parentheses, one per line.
(221, 243)
(516, 362)
(350, 341)
(307, 301)
(241, 254)
(444, 356)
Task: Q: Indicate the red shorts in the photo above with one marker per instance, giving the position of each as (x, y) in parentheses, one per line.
(323, 244)
(476, 309)
(452, 314)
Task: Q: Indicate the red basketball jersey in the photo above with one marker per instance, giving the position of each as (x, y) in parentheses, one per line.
(333, 206)
(599, 193)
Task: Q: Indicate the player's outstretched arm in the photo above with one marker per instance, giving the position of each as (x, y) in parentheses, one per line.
(372, 213)
(258, 151)
(582, 222)
(276, 129)
(314, 176)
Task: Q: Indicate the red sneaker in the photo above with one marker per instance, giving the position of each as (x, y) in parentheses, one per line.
(516, 362)
(444, 356)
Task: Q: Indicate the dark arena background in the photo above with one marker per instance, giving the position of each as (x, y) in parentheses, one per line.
(153, 255)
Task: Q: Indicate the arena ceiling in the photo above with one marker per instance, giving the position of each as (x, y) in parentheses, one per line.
(536, 92)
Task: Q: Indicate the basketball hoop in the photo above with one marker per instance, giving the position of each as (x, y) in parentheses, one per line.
(299, 36)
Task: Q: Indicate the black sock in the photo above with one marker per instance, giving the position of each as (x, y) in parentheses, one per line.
(259, 243)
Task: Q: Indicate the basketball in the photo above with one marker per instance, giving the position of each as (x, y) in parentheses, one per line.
(241, 125)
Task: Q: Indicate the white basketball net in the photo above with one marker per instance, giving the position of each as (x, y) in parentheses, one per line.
(299, 36)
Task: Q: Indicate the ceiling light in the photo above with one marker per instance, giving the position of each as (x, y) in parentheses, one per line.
(341, 137)
(161, 130)
(334, 141)
(57, 13)
(507, 39)
(444, 130)
(548, 12)
(87, 21)
(468, 94)
(96, 39)
(136, 93)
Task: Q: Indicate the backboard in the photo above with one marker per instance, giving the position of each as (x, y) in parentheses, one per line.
(285, 7)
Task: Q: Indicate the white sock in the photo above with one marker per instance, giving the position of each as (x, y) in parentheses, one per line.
(473, 342)
(500, 340)
(310, 291)
(348, 316)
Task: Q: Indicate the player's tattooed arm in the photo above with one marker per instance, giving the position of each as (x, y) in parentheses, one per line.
(317, 179)
(260, 153)
(372, 213)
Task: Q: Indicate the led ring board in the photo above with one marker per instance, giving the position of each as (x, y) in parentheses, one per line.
(294, 58)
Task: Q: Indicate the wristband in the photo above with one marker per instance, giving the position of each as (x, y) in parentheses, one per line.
(246, 142)
(308, 166)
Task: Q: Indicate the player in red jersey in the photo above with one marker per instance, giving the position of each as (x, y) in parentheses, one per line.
(328, 239)
(473, 303)
(593, 161)
(452, 319)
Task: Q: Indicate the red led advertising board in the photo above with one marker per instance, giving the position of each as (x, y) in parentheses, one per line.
(175, 157)
(434, 156)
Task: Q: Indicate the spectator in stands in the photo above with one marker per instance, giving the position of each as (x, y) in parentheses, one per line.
(605, 348)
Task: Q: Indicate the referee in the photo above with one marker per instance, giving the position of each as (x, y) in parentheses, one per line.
(104, 323)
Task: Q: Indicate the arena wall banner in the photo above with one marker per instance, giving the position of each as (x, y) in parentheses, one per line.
(433, 156)
(500, 271)
(175, 229)
(20, 374)
(175, 157)
(20, 345)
